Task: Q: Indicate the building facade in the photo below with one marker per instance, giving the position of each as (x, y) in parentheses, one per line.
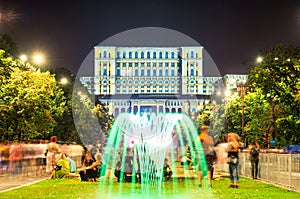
(150, 79)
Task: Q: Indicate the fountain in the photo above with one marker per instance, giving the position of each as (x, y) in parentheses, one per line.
(137, 146)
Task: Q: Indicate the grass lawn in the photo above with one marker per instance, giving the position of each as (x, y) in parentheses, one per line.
(70, 188)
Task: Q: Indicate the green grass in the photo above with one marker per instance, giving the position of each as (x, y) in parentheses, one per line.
(69, 188)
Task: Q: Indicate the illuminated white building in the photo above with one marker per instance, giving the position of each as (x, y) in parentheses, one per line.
(156, 79)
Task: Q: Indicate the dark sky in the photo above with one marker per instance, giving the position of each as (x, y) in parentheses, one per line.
(232, 31)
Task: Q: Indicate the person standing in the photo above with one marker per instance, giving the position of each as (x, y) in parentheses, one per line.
(52, 149)
(208, 147)
(254, 158)
(233, 147)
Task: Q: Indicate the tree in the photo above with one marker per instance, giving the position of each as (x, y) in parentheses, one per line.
(8, 45)
(65, 128)
(29, 100)
(92, 123)
(278, 77)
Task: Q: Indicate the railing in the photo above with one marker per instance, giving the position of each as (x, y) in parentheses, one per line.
(29, 159)
(282, 169)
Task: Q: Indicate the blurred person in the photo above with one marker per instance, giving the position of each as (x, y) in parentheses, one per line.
(40, 158)
(61, 167)
(233, 147)
(253, 151)
(51, 150)
(208, 147)
(71, 164)
(15, 158)
(167, 170)
(89, 168)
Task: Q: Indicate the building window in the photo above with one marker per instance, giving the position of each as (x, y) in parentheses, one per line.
(173, 72)
(118, 72)
(192, 72)
(154, 72)
(124, 64)
(166, 55)
(130, 64)
(142, 54)
(105, 71)
(160, 55)
(130, 54)
(142, 72)
(136, 64)
(160, 64)
(154, 64)
(196, 55)
(166, 72)
(154, 54)
(148, 72)
(160, 72)
(124, 54)
(172, 55)
(192, 54)
(173, 64)
(118, 54)
(136, 54)
(136, 72)
(104, 54)
(148, 54)
(167, 64)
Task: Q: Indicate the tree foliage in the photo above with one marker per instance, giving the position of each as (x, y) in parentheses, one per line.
(29, 100)
(278, 78)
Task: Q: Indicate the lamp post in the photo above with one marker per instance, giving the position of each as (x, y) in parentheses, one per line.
(241, 87)
(227, 95)
(273, 115)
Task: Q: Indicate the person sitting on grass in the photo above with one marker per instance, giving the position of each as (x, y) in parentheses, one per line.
(61, 168)
(167, 170)
(89, 168)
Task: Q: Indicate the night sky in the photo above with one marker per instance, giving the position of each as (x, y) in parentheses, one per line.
(232, 32)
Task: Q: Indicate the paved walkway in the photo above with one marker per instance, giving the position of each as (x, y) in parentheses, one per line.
(9, 182)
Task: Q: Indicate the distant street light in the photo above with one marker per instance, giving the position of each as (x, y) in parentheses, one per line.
(38, 58)
(64, 81)
(23, 57)
(259, 59)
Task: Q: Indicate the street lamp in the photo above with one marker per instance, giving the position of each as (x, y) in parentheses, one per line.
(273, 115)
(38, 59)
(64, 80)
(241, 87)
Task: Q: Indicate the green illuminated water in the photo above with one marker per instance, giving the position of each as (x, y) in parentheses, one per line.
(137, 146)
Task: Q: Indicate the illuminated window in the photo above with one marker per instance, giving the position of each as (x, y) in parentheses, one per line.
(160, 72)
(154, 72)
(104, 71)
(192, 71)
(192, 54)
(160, 55)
